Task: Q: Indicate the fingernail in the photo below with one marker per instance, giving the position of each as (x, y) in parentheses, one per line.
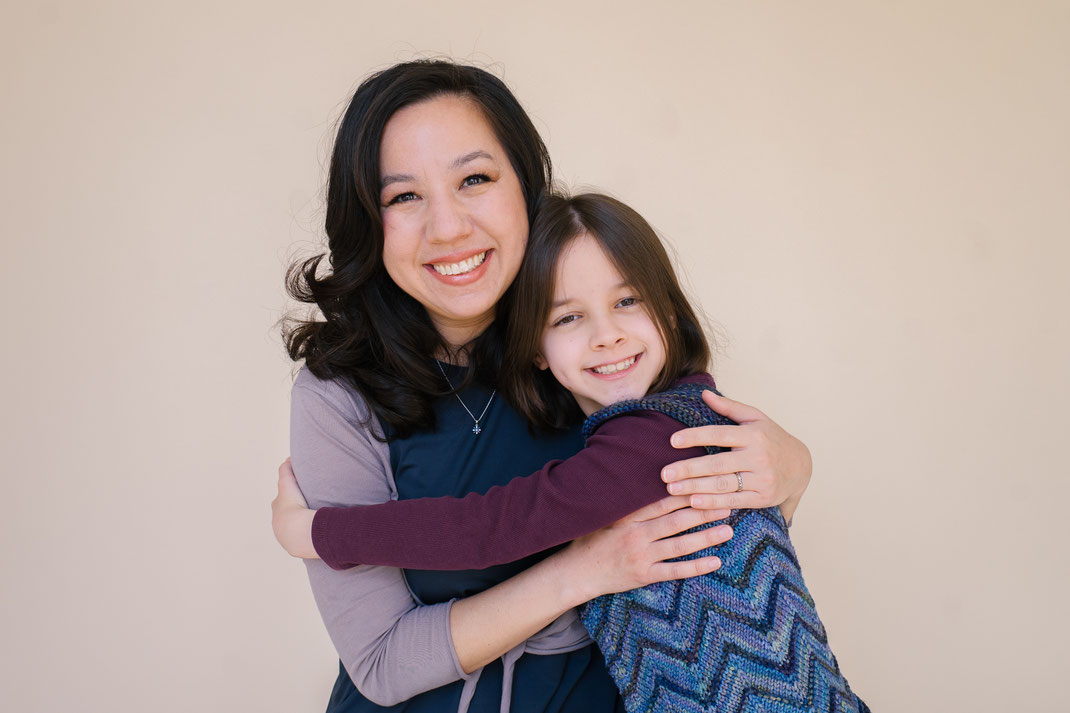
(715, 564)
(676, 440)
(675, 488)
(668, 474)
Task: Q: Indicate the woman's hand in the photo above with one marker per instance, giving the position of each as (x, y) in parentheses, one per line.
(774, 466)
(291, 519)
(631, 552)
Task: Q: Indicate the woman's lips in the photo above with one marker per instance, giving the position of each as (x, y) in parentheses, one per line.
(465, 277)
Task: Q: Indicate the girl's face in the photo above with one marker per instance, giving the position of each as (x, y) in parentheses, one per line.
(455, 223)
(600, 342)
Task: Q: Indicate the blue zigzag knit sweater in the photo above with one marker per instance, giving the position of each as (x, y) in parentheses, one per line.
(745, 638)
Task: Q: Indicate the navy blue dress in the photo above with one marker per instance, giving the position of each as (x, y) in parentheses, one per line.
(452, 460)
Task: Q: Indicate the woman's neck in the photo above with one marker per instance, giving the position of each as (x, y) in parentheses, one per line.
(457, 341)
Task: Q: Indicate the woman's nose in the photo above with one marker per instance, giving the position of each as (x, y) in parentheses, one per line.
(448, 220)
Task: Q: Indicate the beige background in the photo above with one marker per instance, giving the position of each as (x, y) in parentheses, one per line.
(871, 199)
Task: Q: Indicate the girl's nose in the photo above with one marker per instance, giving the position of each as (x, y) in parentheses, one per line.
(447, 220)
(607, 333)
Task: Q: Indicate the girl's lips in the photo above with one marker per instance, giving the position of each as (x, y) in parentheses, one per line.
(468, 277)
(617, 374)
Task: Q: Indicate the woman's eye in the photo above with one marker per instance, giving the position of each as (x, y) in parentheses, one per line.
(402, 198)
(567, 319)
(475, 180)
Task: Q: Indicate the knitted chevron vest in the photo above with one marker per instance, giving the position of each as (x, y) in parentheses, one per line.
(744, 638)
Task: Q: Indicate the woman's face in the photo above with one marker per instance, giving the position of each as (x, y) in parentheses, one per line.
(455, 223)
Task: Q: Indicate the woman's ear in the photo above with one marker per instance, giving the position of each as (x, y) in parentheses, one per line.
(540, 362)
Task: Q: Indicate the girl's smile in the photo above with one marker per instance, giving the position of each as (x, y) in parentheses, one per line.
(600, 342)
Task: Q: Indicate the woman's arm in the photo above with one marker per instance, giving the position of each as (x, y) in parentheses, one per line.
(774, 465)
(394, 649)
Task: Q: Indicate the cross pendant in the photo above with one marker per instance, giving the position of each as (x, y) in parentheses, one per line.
(476, 429)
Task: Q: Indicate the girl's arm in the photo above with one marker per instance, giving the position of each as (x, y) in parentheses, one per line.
(616, 474)
(394, 649)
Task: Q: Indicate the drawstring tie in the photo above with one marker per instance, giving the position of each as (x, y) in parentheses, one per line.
(565, 634)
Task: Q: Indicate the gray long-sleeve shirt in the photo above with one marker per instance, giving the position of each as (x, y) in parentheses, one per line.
(392, 647)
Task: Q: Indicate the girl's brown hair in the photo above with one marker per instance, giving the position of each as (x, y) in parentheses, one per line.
(637, 253)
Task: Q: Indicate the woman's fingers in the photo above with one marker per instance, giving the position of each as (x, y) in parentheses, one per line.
(735, 410)
(692, 542)
(659, 508)
(665, 571)
(713, 484)
(682, 520)
(715, 464)
(724, 435)
(732, 501)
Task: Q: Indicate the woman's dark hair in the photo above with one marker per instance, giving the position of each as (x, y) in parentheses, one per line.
(374, 335)
(637, 253)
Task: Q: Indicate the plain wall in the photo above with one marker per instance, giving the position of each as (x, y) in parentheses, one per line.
(871, 199)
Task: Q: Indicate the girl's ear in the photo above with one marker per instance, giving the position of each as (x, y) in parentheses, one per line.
(540, 362)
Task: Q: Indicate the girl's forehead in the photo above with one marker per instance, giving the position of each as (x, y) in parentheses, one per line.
(584, 267)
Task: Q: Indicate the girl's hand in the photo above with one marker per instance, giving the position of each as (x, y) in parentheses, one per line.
(631, 552)
(774, 465)
(291, 519)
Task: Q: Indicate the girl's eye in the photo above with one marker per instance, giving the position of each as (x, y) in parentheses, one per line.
(402, 198)
(475, 180)
(628, 302)
(567, 319)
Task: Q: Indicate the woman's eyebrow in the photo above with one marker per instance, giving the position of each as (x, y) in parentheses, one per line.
(471, 156)
(394, 178)
(457, 163)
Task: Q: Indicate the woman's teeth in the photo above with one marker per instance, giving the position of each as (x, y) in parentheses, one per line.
(459, 268)
(614, 368)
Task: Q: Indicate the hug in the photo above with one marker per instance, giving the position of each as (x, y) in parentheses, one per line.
(494, 378)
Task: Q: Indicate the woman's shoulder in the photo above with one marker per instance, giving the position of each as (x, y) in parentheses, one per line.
(337, 456)
(311, 393)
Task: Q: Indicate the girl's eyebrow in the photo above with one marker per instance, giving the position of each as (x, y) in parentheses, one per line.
(619, 286)
(457, 163)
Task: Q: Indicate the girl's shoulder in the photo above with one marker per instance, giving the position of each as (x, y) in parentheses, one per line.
(682, 401)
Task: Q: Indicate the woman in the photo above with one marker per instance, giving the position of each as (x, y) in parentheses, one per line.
(433, 179)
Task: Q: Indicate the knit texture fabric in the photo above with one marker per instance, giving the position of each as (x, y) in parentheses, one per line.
(744, 638)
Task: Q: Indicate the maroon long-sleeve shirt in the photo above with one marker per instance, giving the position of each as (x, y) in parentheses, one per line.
(618, 472)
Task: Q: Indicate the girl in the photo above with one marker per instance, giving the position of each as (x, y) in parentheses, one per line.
(598, 326)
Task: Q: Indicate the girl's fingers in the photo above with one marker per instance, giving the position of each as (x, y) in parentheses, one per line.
(289, 490)
(676, 522)
(692, 542)
(665, 571)
(715, 464)
(731, 501)
(723, 435)
(735, 410)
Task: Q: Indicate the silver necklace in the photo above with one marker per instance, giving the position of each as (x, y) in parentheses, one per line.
(475, 428)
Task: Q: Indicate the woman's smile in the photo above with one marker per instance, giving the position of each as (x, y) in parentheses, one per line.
(455, 270)
(455, 222)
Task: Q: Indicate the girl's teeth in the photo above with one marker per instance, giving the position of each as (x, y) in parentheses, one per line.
(614, 368)
(459, 268)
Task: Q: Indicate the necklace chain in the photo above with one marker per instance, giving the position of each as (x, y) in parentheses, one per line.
(476, 429)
